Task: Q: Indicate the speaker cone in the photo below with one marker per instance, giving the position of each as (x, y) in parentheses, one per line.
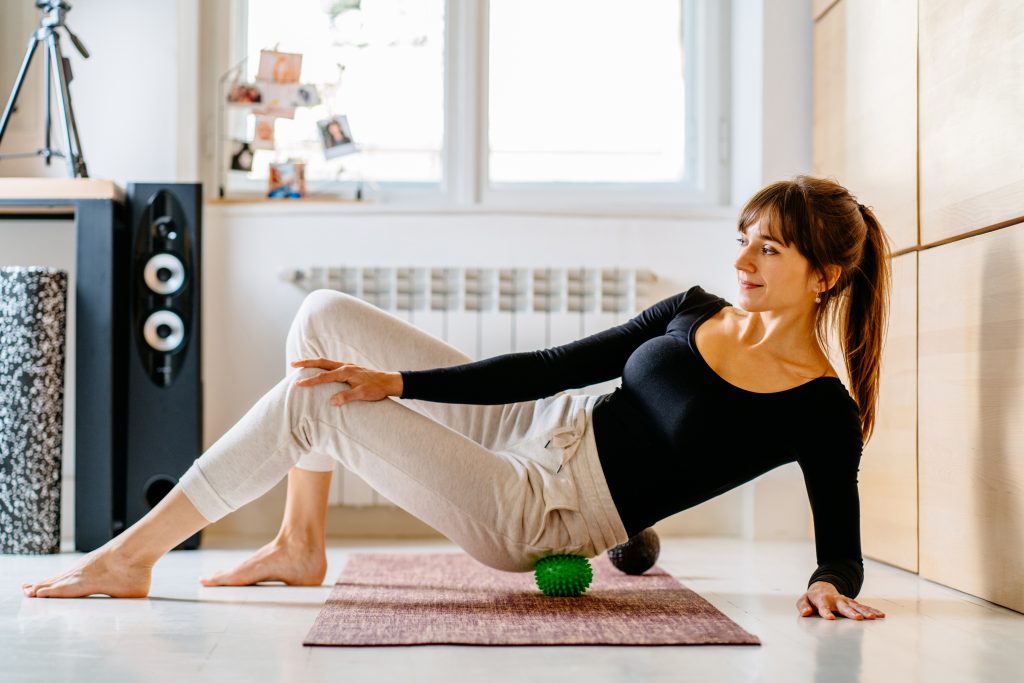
(164, 273)
(164, 330)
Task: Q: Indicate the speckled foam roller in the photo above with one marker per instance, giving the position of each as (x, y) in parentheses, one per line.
(32, 333)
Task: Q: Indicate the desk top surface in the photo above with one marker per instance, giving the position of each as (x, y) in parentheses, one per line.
(63, 189)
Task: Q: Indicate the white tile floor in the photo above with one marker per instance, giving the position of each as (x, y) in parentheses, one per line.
(185, 631)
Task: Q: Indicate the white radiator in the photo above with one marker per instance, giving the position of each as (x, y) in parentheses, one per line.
(485, 312)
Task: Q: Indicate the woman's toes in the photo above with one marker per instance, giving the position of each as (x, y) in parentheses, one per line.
(234, 577)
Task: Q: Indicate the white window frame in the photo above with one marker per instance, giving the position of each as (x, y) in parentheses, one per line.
(465, 184)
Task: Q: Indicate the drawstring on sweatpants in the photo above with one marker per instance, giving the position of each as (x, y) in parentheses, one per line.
(568, 438)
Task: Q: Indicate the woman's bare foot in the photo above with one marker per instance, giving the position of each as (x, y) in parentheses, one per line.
(293, 563)
(104, 571)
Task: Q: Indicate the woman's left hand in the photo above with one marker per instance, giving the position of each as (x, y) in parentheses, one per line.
(824, 597)
(365, 384)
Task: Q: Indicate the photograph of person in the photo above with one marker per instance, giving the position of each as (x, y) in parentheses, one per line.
(245, 93)
(264, 133)
(241, 158)
(336, 137)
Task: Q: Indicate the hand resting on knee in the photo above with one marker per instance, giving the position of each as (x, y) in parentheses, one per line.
(365, 384)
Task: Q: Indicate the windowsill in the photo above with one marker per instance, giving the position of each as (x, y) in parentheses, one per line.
(328, 205)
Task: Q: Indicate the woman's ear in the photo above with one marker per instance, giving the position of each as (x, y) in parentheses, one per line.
(832, 273)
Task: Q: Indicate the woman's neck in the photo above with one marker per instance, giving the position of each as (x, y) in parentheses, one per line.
(788, 335)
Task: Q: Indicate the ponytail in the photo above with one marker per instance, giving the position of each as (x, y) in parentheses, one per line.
(864, 319)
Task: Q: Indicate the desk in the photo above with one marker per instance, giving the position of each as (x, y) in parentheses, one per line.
(100, 216)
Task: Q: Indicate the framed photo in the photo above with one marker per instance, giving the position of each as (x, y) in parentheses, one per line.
(264, 133)
(241, 155)
(279, 67)
(287, 180)
(305, 95)
(336, 137)
(245, 93)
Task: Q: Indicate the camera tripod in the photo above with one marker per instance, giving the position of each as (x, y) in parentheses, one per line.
(56, 67)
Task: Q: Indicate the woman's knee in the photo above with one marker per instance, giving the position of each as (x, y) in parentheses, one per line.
(328, 304)
(313, 319)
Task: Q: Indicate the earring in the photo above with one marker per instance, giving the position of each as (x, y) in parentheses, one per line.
(817, 299)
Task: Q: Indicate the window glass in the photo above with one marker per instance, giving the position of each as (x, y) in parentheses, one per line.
(391, 89)
(586, 91)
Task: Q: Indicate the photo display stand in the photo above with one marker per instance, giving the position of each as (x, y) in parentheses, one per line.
(235, 90)
(235, 73)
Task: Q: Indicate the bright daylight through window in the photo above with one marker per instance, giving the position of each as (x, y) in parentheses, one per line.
(391, 88)
(578, 92)
(586, 91)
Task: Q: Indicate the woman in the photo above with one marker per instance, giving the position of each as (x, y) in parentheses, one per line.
(498, 458)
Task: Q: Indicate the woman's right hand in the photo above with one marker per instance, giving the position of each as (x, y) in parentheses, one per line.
(365, 384)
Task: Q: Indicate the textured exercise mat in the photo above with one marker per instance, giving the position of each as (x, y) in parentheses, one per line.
(446, 598)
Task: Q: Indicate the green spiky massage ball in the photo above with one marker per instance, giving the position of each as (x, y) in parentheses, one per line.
(563, 575)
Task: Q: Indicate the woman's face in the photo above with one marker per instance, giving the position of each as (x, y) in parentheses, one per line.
(782, 273)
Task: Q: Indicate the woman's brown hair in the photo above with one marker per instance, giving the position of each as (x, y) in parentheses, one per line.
(829, 226)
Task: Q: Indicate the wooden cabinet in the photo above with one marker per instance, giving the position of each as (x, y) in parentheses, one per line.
(888, 469)
(864, 135)
(888, 476)
(958, 282)
(819, 7)
(864, 121)
(971, 419)
(972, 106)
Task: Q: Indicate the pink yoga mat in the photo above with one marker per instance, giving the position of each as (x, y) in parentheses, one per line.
(450, 598)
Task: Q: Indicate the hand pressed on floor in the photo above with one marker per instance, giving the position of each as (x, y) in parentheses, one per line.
(823, 597)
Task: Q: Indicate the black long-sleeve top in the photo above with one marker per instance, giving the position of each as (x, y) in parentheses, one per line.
(675, 433)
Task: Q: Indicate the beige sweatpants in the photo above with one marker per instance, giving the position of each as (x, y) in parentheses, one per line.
(508, 483)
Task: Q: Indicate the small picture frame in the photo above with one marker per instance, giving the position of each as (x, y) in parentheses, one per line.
(245, 93)
(263, 137)
(279, 67)
(241, 155)
(336, 137)
(287, 180)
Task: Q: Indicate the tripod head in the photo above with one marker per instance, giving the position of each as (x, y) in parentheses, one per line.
(53, 17)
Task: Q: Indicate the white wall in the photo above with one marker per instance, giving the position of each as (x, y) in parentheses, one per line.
(126, 96)
(135, 127)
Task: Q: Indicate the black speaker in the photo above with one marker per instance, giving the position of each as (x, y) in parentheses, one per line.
(165, 391)
(156, 381)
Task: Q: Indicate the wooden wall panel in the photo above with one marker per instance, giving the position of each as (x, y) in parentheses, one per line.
(864, 130)
(888, 471)
(819, 7)
(972, 105)
(828, 94)
(971, 415)
(888, 477)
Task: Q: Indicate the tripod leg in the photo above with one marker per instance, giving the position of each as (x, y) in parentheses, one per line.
(62, 102)
(79, 156)
(32, 43)
(47, 81)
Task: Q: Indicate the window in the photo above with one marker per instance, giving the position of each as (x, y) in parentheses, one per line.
(380, 63)
(609, 106)
(493, 102)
